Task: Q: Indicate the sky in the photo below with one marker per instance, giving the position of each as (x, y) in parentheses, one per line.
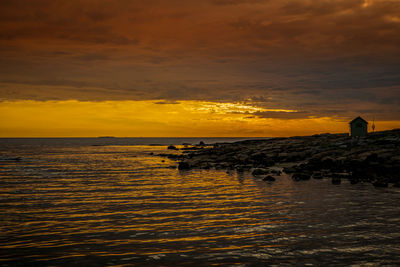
(197, 68)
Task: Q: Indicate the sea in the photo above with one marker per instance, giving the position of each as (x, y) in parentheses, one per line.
(114, 202)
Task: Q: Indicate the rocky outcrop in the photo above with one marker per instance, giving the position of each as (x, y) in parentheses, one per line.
(374, 159)
(183, 166)
(269, 178)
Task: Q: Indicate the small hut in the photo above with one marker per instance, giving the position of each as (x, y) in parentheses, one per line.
(358, 127)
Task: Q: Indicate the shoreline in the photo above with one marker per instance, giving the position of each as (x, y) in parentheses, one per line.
(374, 158)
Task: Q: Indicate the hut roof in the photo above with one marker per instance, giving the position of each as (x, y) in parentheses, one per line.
(358, 118)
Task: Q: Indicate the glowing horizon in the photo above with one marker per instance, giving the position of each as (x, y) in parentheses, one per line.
(74, 118)
(268, 68)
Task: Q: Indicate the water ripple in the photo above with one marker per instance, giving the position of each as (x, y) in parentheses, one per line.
(118, 205)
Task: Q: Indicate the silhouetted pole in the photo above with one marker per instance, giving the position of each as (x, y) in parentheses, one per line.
(373, 125)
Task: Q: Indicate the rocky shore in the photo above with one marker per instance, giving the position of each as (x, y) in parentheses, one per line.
(374, 158)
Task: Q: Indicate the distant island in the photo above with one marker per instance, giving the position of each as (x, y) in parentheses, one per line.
(374, 158)
(106, 137)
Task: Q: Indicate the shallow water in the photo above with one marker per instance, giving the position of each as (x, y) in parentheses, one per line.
(117, 205)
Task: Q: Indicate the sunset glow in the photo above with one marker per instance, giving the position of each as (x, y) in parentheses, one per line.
(155, 119)
(197, 68)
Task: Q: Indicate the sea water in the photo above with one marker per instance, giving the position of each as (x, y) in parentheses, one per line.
(108, 201)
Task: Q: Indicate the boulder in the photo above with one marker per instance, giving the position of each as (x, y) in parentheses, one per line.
(172, 147)
(380, 183)
(373, 157)
(239, 168)
(336, 180)
(269, 178)
(276, 172)
(258, 157)
(317, 175)
(289, 170)
(259, 171)
(301, 176)
(327, 163)
(183, 166)
(354, 180)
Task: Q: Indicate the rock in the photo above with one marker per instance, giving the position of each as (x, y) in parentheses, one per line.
(354, 180)
(336, 180)
(317, 175)
(172, 147)
(183, 166)
(259, 156)
(269, 178)
(372, 158)
(380, 184)
(282, 155)
(327, 163)
(360, 175)
(301, 176)
(334, 155)
(259, 171)
(276, 172)
(396, 184)
(11, 159)
(289, 170)
(239, 167)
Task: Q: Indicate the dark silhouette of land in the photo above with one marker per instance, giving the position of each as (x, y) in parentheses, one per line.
(374, 158)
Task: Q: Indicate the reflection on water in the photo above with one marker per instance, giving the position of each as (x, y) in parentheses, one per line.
(118, 205)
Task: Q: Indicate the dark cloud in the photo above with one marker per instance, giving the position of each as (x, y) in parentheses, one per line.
(283, 115)
(237, 2)
(322, 58)
(164, 102)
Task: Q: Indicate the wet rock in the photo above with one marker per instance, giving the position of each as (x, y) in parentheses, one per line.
(354, 180)
(380, 184)
(259, 171)
(201, 143)
(372, 158)
(183, 166)
(282, 155)
(335, 155)
(317, 175)
(327, 163)
(258, 156)
(174, 156)
(336, 180)
(172, 147)
(301, 176)
(360, 175)
(289, 170)
(269, 178)
(11, 159)
(276, 172)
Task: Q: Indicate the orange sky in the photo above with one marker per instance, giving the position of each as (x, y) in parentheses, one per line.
(73, 118)
(325, 61)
